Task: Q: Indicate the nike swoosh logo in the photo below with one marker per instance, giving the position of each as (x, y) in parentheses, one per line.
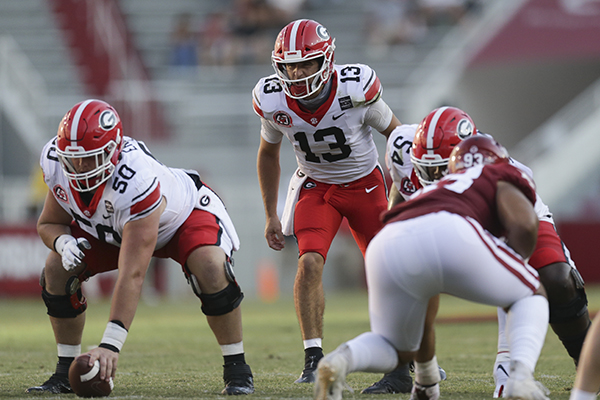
(337, 116)
(369, 190)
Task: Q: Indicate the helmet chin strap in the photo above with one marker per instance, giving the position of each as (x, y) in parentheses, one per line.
(319, 100)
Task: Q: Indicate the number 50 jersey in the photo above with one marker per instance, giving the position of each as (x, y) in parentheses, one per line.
(133, 191)
(334, 144)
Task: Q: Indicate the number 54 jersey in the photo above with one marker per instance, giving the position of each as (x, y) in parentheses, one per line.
(133, 191)
(332, 145)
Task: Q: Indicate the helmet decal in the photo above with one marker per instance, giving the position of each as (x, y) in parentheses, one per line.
(108, 120)
(322, 32)
(464, 128)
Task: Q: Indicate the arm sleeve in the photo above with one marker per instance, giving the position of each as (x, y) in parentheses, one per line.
(379, 115)
(269, 131)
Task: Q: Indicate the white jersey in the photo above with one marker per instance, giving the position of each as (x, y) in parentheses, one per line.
(334, 144)
(399, 164)
(133, 191)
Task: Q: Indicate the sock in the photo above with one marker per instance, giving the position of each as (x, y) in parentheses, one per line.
(427, 373)
(502, 342)
(318, 342)
(370, 352)
(235, 348)
(234, 359)
(526, 328)
(578, 394)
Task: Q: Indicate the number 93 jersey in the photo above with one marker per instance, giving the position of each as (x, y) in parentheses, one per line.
(333, 145)
(134, 190)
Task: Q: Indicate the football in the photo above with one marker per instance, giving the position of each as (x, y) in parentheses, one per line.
(85, 380)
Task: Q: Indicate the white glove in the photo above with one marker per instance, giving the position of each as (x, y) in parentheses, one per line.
(71, 250)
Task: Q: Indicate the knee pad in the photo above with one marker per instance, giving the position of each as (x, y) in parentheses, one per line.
(561, 313)
(69, 305)
(222, 302)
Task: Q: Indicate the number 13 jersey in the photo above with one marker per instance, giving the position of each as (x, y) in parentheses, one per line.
(334, 144)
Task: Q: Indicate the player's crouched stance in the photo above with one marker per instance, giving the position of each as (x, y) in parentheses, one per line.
(112, 205)
(446, 239)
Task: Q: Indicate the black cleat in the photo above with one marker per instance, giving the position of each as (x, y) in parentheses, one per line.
(397, 381)
(238, 379)
(310, 369)
(56, 385)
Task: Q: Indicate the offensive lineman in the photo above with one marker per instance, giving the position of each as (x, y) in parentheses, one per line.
(417, 156)
(327, 112)
(112, 205)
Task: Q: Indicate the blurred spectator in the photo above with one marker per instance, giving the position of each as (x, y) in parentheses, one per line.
(184, 43)
(444, 12)
(37, 193)
(216, 40)
(392, 22)
(252, 22)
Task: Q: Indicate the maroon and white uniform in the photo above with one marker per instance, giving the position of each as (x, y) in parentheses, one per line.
(445, 240)
(549, 249)
(134, 191)
(337, 157)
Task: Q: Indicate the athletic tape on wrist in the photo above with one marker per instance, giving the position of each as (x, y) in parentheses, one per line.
(114, 335)
(59, 242)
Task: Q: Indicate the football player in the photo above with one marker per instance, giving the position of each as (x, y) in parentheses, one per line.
(112, 205)
(328, 113)
(416, 156)
(447, 240)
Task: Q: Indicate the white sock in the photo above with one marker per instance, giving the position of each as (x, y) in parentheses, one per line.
(578, 394)
(370, 352)
(526, 328)
(231, 349)
(318, 342)
(503, 349)
(67, 350)
(427, 373)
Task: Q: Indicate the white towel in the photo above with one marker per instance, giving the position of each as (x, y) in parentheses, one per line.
(287, 219)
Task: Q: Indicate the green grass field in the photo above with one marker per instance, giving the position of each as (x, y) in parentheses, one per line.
(171, 353)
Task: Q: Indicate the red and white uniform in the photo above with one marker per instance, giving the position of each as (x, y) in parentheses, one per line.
(133, 191)
(549, 249)
(337, 157)
(440, 242)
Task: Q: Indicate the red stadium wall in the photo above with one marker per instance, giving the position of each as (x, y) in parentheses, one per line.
(581, 238)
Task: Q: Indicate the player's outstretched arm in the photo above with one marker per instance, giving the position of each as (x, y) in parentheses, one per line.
(269, 172)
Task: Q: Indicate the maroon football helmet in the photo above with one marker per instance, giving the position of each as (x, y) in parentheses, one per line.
(435, 138)
(477, 150)
(90, 132)
(299, 41)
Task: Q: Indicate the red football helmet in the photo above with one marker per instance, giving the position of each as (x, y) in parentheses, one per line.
(299, 41)
(89, 141)
(477, 150)
(436, 137)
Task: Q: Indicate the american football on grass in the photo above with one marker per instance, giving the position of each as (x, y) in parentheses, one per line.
(85, 380)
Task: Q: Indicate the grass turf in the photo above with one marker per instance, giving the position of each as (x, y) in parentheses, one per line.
(170, 352)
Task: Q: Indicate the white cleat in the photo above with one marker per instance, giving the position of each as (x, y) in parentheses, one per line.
(521, 385)
(331, 376)
(420, 392)
(500, 377)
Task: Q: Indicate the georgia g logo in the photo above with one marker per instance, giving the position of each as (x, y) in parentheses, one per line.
(464, 128)
(322, 32)
(108, 120)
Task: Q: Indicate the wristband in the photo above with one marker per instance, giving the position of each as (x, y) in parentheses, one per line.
(59, 242)
(114, 335)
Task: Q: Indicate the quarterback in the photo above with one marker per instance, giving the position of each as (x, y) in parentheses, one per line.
(112, 205)
(328, 113)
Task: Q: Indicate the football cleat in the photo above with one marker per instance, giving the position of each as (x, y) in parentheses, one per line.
(309, 371)
(396, 381)
(521, 385)
(331, 376)
(500, 377)
(56, 385)
(238, 379)
(420, 392)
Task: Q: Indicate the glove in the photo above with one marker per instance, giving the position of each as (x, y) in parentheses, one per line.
(71, 250)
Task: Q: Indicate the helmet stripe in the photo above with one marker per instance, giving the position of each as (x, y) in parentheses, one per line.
(76, 118)
(294, 34)
(431, 129)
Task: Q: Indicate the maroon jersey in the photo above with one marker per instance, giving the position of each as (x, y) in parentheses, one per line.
(470, 193)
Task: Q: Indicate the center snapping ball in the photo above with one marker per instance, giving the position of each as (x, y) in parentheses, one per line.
(85, 380)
